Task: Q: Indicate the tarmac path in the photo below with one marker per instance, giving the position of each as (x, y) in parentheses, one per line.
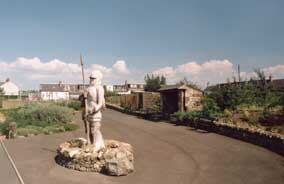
(163, 153)
(7, 172)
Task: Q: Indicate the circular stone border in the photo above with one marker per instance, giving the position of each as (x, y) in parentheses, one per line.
(115, 159)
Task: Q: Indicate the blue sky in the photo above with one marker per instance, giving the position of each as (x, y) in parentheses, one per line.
(147, 35)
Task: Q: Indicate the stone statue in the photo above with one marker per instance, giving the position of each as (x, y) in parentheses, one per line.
(116, 159)
(95, 102)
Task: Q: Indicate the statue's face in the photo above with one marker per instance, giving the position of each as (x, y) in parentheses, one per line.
(94, 81)
(95, 77)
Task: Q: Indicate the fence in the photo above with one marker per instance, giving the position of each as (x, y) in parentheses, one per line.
(12, 103)
(138, 101)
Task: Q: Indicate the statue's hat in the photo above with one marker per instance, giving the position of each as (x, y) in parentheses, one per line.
(96, 74)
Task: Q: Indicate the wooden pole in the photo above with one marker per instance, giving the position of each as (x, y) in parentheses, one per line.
(87, 128)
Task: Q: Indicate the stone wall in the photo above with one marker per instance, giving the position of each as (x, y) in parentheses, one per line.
(269, 140)
(113, 100)
(10, 104)
(193, 99)
(136, 101)
(150, 99)
(129, 101)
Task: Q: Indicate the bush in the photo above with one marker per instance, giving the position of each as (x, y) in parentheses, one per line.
(40, 115)
(227, 113)
(76, 105)
(193, 116)
(246, 115)
(39, 119)
(4, 128)
(71, 127)
(181, 116)
(187, 116)
(210, 109)
(28, 131)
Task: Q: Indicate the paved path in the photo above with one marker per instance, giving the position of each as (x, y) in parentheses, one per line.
(164, 153)
(7, 173)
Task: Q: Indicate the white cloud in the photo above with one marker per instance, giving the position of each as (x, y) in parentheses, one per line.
(120, 67)
(275, 71)
(212, 72)
(30, 72)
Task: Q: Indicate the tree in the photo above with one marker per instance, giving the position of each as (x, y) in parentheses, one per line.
(1, 96)
(189, 83)
(153, 83)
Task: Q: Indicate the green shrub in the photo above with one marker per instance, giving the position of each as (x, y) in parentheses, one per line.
(187, 116)
(76, 105)
(28, 131)
(193, 115)
(227, 113)
(181, 116)
(71, 127)
(40, 115)
(210, 109)
(39, 119)
(246, 115)
(4, 128)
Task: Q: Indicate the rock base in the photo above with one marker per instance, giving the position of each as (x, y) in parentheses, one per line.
(115, 159)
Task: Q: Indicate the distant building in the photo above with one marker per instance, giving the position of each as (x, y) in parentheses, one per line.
(60, 91)
(108, 88)
(54, 92)
(9, 88)
(125, 89)
(33, 96)
(75, 90)
(180, 98)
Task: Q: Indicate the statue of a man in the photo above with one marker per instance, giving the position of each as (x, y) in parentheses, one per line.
(95, 103)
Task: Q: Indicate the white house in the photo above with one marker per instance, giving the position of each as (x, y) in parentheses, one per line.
(127, 88)
(61, 91)
(54, 92)
(108, 88)
(9, 88)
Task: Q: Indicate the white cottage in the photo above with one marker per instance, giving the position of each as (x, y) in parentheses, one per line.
(9, 88)
(61, 91)
(54, 92)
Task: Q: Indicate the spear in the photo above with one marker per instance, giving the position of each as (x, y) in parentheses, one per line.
(85, 111)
